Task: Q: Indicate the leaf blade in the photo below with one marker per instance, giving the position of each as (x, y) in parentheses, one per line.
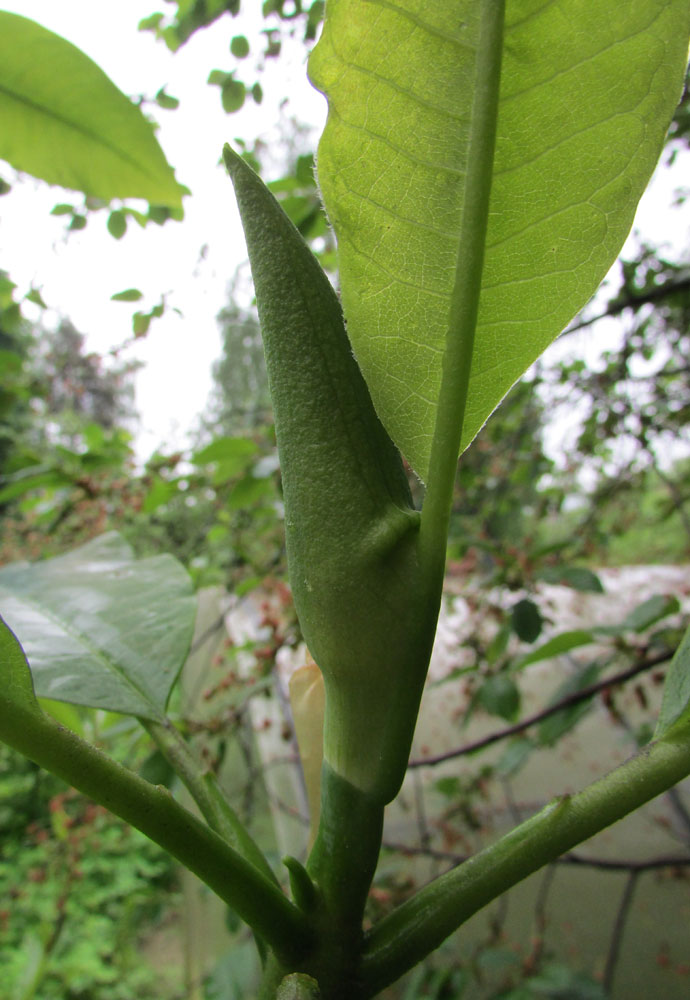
(63, 120)
(100, 628)
(392, 166)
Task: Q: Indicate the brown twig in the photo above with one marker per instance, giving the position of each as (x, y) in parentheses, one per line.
(567, 702)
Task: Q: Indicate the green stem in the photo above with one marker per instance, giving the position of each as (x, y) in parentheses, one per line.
(342, 864)
(345, 854)
(205, 791)
(153, 810)
(419, 926)
(457, 359)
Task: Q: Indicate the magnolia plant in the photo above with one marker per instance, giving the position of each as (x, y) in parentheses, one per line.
(481, 165)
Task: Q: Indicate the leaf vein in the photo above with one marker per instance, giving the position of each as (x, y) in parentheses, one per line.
(427, 164)
(80, 639)
(75, 126)
(424, 25)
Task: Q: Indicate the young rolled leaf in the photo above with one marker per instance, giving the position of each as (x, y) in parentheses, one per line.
(586, 93)
(351, 531)
(63, 120)
(101, 628)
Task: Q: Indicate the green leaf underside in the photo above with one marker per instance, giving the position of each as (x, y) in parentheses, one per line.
(101, 629)
(63, 120)
(587, 91)
(676, 700)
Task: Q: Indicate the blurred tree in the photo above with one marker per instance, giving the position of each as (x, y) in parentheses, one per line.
(240, 399)
(77, 387)
(635, 430)
(65, 452)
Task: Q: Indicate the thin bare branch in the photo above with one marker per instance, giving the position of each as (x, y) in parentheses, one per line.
(572, 699)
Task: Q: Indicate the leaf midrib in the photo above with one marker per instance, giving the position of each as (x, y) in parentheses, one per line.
(92, 136)
(462, 318)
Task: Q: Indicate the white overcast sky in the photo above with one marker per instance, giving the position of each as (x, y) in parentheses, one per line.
(78, 275)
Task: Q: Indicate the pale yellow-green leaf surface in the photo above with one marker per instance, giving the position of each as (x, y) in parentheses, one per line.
(587, 90)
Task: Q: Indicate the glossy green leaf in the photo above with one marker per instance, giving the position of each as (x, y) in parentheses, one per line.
(141, 323)
(248, 492)
(160, 493)
(578, 577)
(49, 479)
(586, 93)
(63, 120)
(101, 628)
(651, 611)
(676, 700)
(526, 620)
(166, 101)
(556, 646)
(515, 755)
(128, 295)
(231, 450)
(239, 46)
(35, 296)
(557, 725)
(499, 695)
(117, 224)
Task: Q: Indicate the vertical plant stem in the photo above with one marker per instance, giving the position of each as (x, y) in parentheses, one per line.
(345, 853)
(342, 864)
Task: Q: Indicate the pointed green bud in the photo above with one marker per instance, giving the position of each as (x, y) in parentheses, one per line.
(351, 529)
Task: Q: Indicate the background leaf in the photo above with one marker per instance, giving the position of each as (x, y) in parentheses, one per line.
(526, 619)
(499, 695)
(100, 628)
(578, 577)
(556, 646)
(586, 97)
(63, 120)
(651, 611)
(553, 727)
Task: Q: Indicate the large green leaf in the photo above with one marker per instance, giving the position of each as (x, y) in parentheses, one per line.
(587, 90)
(63, 120)
(100, 628)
